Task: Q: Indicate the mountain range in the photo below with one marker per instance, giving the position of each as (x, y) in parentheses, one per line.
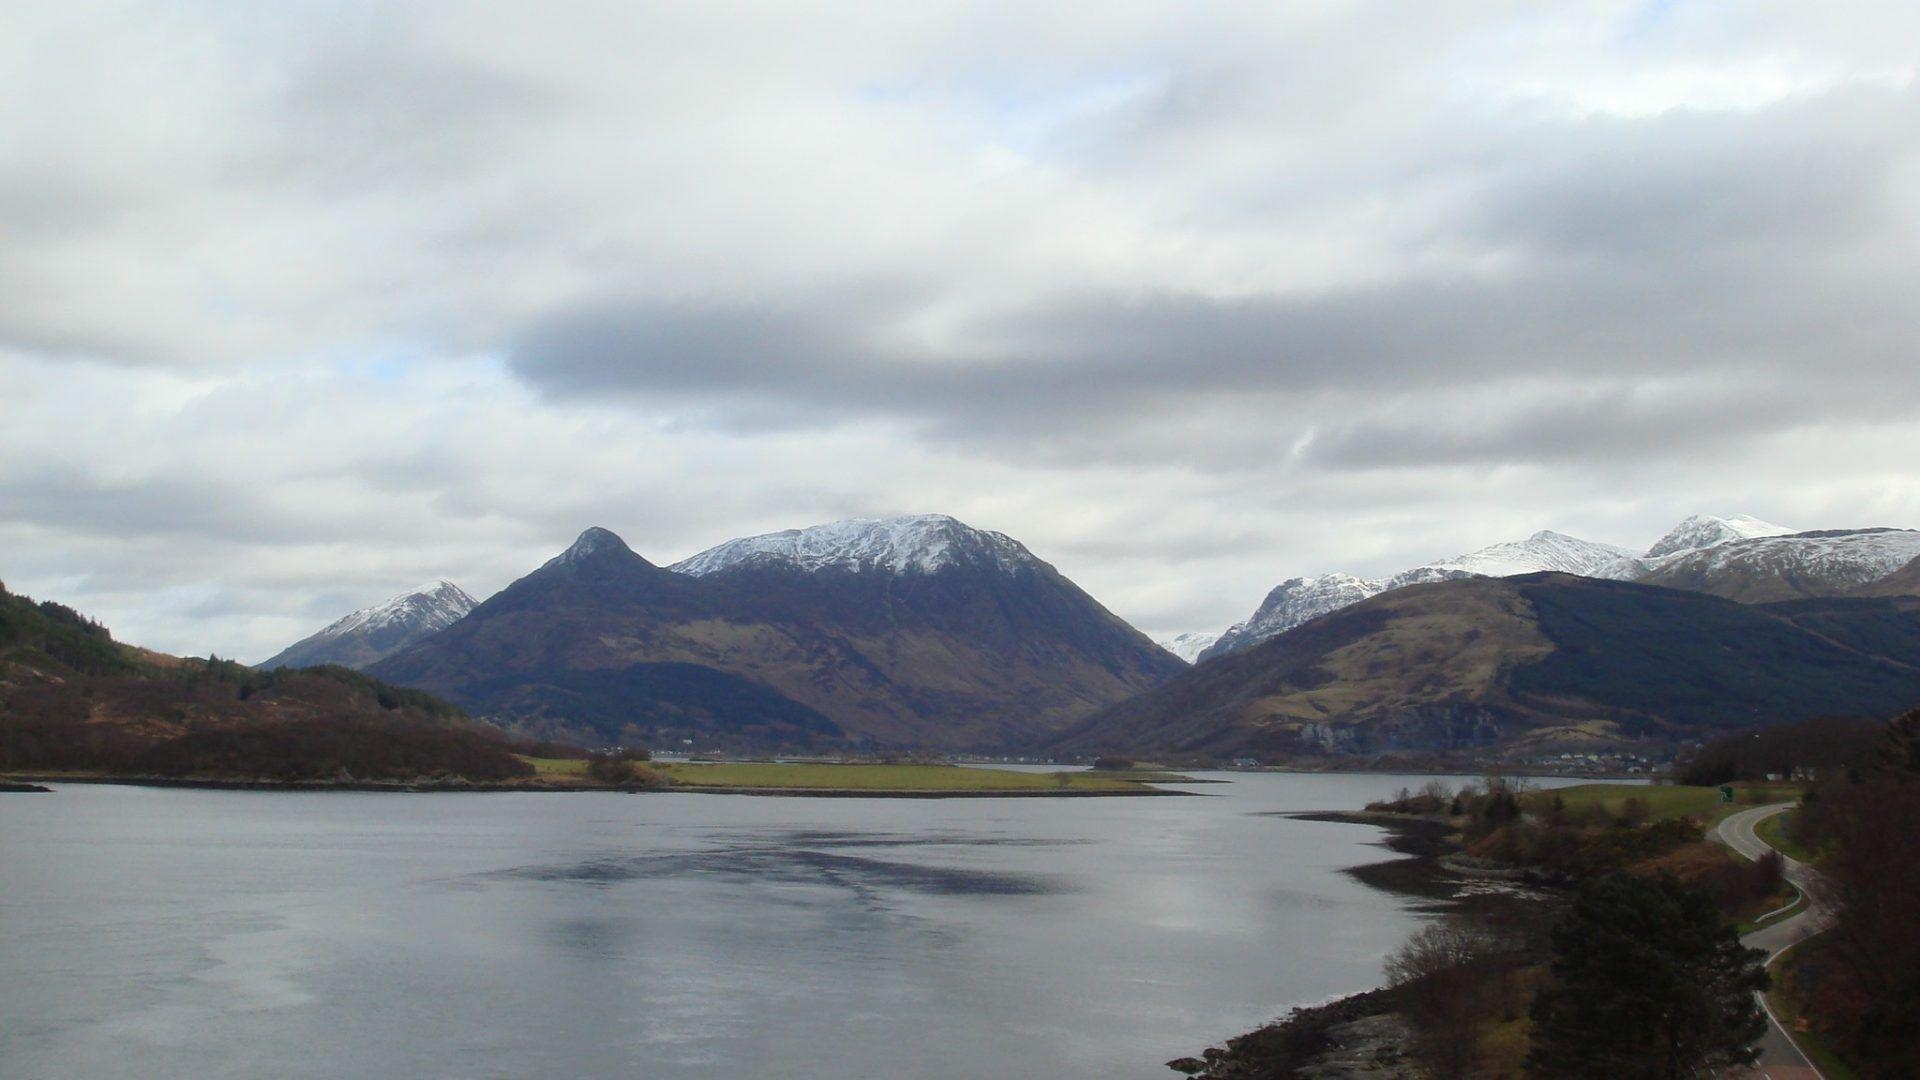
(1515, 666)
(1739, 557)
(923, 633)
(913, 632)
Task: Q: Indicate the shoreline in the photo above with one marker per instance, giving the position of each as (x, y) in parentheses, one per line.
(32, 782)
(1367, 1033)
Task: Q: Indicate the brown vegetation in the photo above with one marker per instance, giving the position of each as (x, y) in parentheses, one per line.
(1861, 986)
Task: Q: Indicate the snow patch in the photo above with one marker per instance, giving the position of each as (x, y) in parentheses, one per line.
(919, 544)
(1189, 646)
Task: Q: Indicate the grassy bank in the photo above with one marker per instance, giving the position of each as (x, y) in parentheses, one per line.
(823, 776)
(1777, 833)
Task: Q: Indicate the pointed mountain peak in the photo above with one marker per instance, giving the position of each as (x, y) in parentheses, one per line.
(596, 545)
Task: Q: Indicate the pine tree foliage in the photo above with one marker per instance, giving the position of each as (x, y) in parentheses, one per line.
(1648, 983)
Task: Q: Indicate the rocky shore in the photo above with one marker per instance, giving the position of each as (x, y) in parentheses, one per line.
(1368, 1035)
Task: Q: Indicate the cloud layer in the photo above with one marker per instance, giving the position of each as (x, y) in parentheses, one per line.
(309, 303)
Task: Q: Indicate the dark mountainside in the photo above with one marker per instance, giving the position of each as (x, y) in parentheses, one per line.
(1518, 666)
(601, 644)
(74, 700)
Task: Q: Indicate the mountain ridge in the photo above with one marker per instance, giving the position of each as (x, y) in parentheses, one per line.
(965, 641)
(1299, 599)
(1511, 665)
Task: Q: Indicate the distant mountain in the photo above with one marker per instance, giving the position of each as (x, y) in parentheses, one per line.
(1519, 665)
(373, 634)
(1297, 600)
(916, 632)
(1188, 646)
(1831, 562)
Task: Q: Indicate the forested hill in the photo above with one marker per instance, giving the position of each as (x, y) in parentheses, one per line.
(73, 700)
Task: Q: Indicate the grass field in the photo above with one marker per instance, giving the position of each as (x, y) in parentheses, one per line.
(558, 768)
(822, 776)
(1774, 831)
(1663, 800)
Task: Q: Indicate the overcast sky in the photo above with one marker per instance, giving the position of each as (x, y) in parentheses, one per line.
(304, 303)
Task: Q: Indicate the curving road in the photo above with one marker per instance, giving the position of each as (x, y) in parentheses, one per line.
(1780, 1059)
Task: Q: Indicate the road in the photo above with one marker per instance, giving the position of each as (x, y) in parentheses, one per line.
(1780, 1059)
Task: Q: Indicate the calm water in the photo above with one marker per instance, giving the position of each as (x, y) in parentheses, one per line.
(169, 933)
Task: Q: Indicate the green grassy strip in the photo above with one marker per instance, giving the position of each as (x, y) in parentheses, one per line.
(1775, 832)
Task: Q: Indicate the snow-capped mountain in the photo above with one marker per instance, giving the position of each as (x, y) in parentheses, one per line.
(922, 543)
(906, 632)
(1697, 533)
(374, 633)
(1544, 550)
(1828, 562)
(1188, 646)
(1291, 603)
(1703, 531)
(1296, 600)
(1739, 557)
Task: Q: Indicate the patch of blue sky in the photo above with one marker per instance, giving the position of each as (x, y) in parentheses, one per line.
(1026, 114)
(1647, 19)
(385, 362)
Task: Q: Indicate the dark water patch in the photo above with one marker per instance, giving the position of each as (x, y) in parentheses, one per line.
(826, 839)
(799, 866)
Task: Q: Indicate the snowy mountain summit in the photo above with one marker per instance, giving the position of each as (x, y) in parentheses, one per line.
(371, 634)
(919, 544)
(1544, 550)
(1703, 531)
(1698, 533)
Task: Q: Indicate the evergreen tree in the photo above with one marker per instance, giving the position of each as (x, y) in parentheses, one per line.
(1648, 983)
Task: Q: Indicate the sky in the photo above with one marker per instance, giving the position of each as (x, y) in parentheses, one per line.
(303, 304)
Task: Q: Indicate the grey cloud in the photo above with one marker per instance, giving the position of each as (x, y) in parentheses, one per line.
(1706, 187)
(183, 508)
(1336, 287)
